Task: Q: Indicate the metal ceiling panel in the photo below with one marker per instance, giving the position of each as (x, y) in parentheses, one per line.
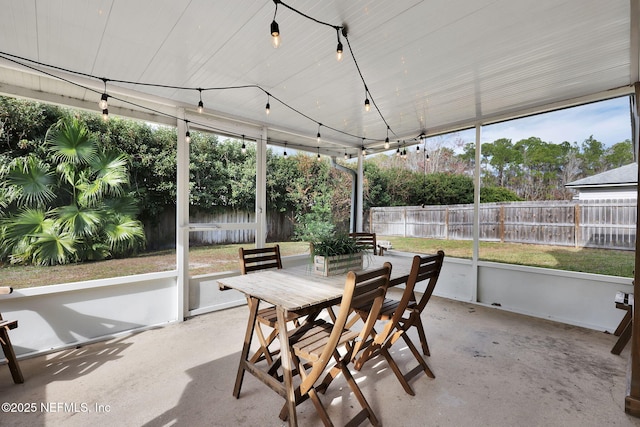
(429, 65)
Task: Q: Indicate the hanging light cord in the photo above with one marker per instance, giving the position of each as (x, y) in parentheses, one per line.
(339, 28)
(23, 62)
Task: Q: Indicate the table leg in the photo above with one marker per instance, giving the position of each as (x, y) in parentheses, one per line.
(244, 357)
(285, 358)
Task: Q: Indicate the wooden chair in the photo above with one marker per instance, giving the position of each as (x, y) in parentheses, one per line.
(315, 343)
(255, 260)
(5, 342)
(624, 301)
(366, 240)
(400, 316)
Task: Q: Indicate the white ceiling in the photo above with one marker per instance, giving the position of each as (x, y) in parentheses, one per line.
(430, 66)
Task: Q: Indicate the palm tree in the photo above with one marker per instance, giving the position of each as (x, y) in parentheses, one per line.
(69, 207)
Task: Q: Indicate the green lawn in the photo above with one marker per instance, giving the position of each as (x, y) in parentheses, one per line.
(599, 261)
(225, 257)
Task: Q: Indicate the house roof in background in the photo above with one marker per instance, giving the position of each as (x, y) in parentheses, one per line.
(622, 176)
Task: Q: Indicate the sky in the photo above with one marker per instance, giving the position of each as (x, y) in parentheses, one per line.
(608, 121)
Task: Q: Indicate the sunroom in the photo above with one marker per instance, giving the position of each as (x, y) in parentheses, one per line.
(422, 68)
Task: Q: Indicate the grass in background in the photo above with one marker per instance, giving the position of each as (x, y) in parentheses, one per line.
(209, 259)
(587, 260)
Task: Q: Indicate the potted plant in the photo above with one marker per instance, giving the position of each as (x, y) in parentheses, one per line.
(336, 254)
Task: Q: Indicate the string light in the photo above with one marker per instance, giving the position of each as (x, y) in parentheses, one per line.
(318, 153)
(244, 147)
(275, 34)
(417, 148)
(200, 103)
(285, 150)
(275, 29)
(398, 150)
(318, 135)
(187, 135)
(267, 108)
(346, 156)
(103, 99)
(105, 112)
(364, 151)
(367, 104)
(21, 61)
(386, 141)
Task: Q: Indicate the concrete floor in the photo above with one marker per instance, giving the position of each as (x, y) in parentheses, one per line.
(493, 368)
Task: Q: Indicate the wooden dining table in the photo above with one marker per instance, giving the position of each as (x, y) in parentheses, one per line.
(300, 290)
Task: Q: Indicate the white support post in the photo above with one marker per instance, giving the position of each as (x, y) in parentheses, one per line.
(360, 194)
(182, 219)
(477, 181)
(261, 190)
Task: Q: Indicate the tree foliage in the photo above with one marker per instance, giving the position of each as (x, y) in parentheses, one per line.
(58, 188)
(71, 205)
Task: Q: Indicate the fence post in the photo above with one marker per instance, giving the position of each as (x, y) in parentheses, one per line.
(404, 220)
(446, 223)
(576, 220)
(501, 224)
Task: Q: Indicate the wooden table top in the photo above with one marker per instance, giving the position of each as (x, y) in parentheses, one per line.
(297, 288)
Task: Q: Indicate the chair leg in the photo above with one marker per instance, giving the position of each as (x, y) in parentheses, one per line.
(422, 364)
(10, 354)
(396, 370)
(422, 335)
(624, 338)
(623, 323)
(366, 408)
(320, 409)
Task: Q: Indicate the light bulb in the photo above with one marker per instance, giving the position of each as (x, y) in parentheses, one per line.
(275, 34)
(103, 101)
(386, 143)
(105, 114)
(244, 148)
(267, 108)
(200, 106)
(318, 137)
(346, 156)
(339, 52)
(187, 137)
(367, 105)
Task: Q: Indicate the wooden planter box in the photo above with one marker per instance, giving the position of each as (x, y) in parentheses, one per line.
(339, 264)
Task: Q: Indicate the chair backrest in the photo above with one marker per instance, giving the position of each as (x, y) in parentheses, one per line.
(429, 269)
(425, 267)
(366, 287)
(259, 259)
(366, 240)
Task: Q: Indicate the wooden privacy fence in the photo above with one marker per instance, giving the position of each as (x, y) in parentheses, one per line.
(162, 234)
(607, 223)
